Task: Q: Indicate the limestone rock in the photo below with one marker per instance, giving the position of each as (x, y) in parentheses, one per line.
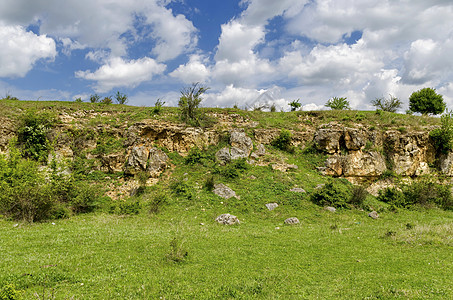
(283, 167)
(297, 190)
(330, 208)
(292, 221)
(374, 215)
(354, 138)
(223, 191)
(328, 139)
(137, 160)
(227, 219)
(157, 162)
(226, 154)
(239, 140)
(271, 206)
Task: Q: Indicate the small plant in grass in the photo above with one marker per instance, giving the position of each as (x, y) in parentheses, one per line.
(273, 107)
(338, 103)
(78, 100)
(156, 202)
(9, 292)
(209, 183)
(391, 104)
(121, 98)
(359, 194)
(182, 188)
(158, 105)
(295, 105)
(177, 252)
(197, 155)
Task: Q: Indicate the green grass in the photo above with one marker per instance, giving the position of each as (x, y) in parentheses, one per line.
(328, 256)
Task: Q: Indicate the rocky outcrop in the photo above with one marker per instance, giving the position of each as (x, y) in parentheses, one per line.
(241, 147)
(140, 159)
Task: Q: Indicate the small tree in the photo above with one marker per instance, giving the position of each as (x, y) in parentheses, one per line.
(426, 101)
(295, 104)
(442, 137)
(121, 98)
(390, 104)
(107, 100)
(189, 102)
(95, 98)
(338, 103)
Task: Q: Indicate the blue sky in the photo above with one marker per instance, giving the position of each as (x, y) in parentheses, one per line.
(310, 50)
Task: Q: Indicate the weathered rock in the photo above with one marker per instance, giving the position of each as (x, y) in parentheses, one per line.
(223, 156)
(330, 208)
(157, 162)
(297, 190)
(137, 160)
(446, 163)
(283, 167)
(328, 139)
(271, 206)
(292, 221)
(374, 215)
(227, 219)
(239, 140)
(223, 191)
(354, 138)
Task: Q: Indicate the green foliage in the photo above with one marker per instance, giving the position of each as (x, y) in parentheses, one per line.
(157, 200)
(273, 107)
(209, 183)
(121, 98)
(78, 100)
(391, 104)
(84, 197)
(338, 103)
(107, 100)
(443, 137)
(95, 98)
(177, 252)
(158, 105)
(283, 141)
(233, 169)
(9, 292)
(424, 192)
(295, 104)
(426, 101)
(126, 208)
(358, 196)
(189, 103)
(197, 155)
(183, 189)
(32, 134)
(336, 193)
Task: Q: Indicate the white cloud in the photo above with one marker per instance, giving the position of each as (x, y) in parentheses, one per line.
(120, 73)
(231, 95)
(194, 71)
(102, 23)
(20, 50)
(260, 11)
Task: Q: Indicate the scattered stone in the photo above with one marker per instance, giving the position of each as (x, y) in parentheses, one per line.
(277, 228)
(252, 177)
(271, 206)
(374, 215)
(319, 186)
(297, 190)
(223, 191)
(227, 219)
(331, 209)
(291, 221)
(284, 167)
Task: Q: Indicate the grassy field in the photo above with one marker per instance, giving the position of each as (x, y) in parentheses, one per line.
(343, 255)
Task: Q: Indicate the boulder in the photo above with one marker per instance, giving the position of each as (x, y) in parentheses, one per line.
(330, 208)
(328, 139)
(137, 160)
(157, 162)
(292, 221)
(297, 190)
(227, 219)
(223, 191)
(271, 206)
(374, 215)
(239, 140)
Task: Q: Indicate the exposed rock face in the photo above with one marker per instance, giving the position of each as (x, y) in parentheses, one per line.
(151, 160)
(241, 147)
(227, 219)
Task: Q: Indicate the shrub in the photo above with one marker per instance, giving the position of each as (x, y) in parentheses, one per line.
(121, 98)
(196, 155)
(283, 141)
(107, 100)
(334, 193)
(233, 169)
(156, 202)
(390, 104)
(392, 196)
(158, 105)
(84, 197)
(359, 194)
(209, 183)
(295, 104)
(426, 192)
(189, 103)
(443, 137)
(426, 101)
(95, 98)
(181, 188)
(9, 292)
(32, 134)
(338, 103)
(177, 252)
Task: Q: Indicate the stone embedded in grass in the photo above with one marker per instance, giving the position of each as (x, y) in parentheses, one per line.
(223, 191)
(271, 206)
(297, 190)
(283, 167)
(292, 221)
(227, 219)
(373, 215)
(330, 208)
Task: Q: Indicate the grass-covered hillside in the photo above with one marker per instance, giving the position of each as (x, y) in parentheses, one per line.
(63, 236)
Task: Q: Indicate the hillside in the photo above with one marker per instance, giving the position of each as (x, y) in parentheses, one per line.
(124, 202)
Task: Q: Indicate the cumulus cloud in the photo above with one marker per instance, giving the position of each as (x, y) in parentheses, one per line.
(120, 73)
(21, 49)
(194, 71)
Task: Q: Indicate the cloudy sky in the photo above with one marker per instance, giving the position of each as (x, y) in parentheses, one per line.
(243, 50)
